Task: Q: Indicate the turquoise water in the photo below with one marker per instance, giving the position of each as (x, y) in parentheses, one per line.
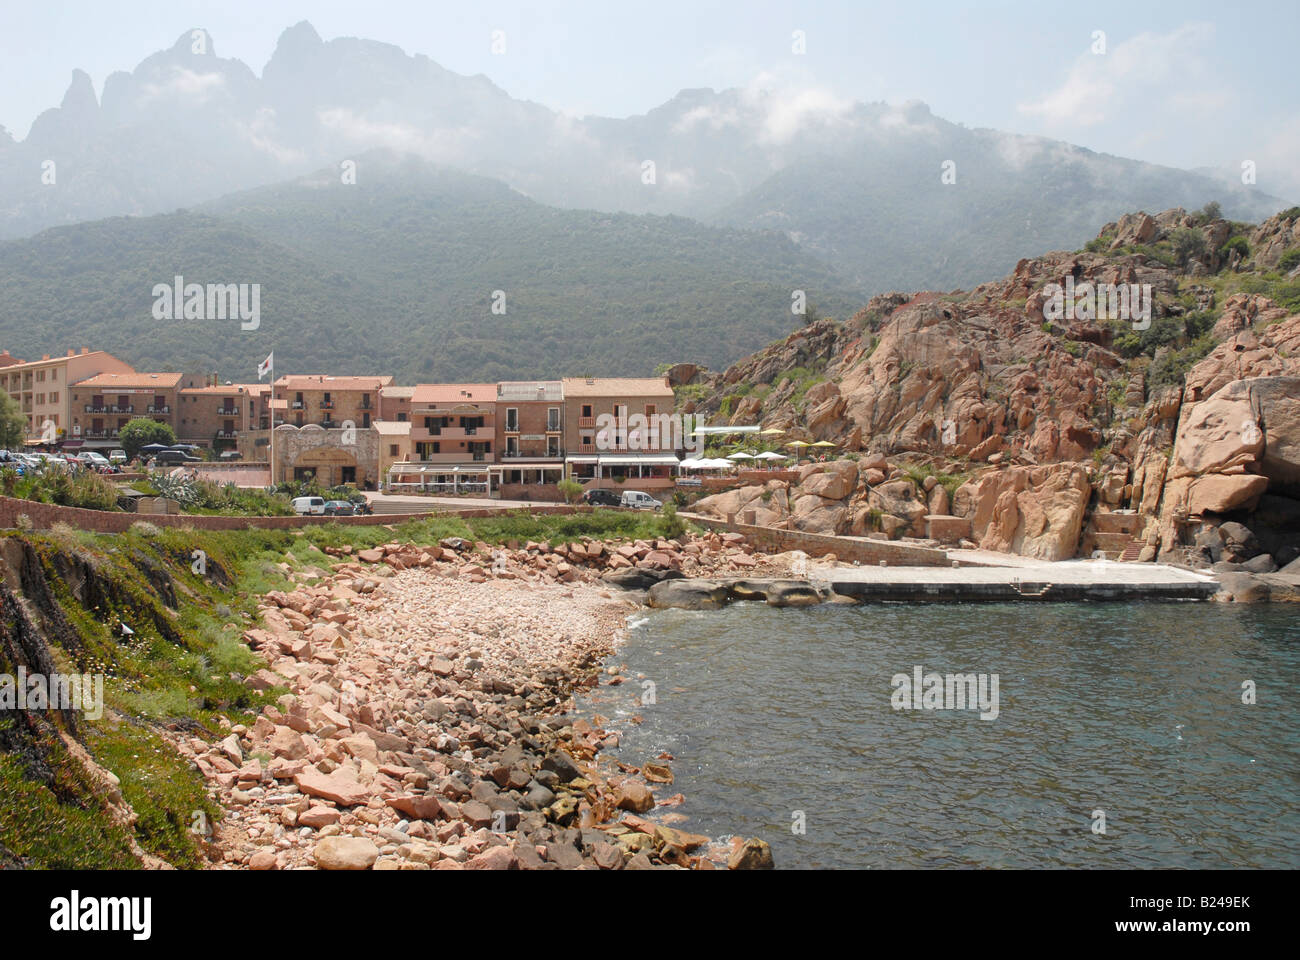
(1131, 709)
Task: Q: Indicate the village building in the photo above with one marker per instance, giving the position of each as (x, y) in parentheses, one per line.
(453, 439)
(105, 403)
(41, 388)
(530, 439)
(615, 436)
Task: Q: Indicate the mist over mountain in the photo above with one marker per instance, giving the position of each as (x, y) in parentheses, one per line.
(859, 185)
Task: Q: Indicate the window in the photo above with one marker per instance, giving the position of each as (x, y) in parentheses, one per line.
(392, 449)
(54, 398)
(512, 419)
(553, 418)
(586, 411)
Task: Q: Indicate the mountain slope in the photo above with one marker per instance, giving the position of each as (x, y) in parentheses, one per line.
(397, 272)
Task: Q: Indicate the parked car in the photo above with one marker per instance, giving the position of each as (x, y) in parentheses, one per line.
(309, 505)
(117, 456)
(228, 455)
(339, 508)
(174, 458)
(94, 460)
(638, 500)
(602, 498)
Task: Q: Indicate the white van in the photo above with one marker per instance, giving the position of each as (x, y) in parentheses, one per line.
(309, 505)
(639, 501)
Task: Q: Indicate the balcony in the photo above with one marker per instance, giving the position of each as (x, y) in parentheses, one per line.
(100, 434)
(327, 404)
(227, 411)
(586, 448)
(109, 408)
(227, 434)
(297, 405)
(586, 421)
(154, 408)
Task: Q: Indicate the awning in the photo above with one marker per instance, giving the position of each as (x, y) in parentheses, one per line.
(644, 460)
(582, 459)
(712, 431)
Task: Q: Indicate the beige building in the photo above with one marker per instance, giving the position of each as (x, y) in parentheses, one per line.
(331, 402)
(103, 404)
(41, 388)
(530, 439)
(453, 440)
(614, 436)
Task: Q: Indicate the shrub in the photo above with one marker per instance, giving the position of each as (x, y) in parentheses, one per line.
(1187, 244)
(670, 524)
(570, 489)
(143, 528)
(1289, 260)
(1238, 244)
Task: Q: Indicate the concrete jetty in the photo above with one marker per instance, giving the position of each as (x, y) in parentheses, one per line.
(1039, 581)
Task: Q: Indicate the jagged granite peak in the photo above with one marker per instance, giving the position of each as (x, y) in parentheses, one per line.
(80, 97)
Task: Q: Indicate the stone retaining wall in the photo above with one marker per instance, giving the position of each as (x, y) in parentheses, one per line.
(775, 540)
(44, 515)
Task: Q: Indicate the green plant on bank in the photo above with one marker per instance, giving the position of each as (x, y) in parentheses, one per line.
(918, 474)
(1289, 260)
(570, 489)
(670, 524)
(1235, 245)
(84, 488)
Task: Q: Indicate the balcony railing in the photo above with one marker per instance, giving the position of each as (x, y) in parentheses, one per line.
(154, 408)
(586, 421)
(227, 434)
(297, 405)
(227, 411)
(109, 408)
(586, 448)
(100, 434)
(327, 404)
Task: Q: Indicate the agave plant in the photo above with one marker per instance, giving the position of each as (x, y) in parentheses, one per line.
(181, 489)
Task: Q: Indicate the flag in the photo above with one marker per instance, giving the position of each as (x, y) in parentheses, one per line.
(267, 365)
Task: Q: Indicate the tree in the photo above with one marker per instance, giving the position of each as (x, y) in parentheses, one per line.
(1211, 211)
(141, 432)
(571, 490)
(1187, 244)
(13, 425)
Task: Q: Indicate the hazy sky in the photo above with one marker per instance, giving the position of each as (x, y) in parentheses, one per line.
(1182, 83)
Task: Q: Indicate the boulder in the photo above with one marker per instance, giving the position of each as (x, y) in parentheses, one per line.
(346, 853)
(688, 595)
(1224, 493)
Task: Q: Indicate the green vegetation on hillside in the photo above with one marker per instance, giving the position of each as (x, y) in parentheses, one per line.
(399, 274)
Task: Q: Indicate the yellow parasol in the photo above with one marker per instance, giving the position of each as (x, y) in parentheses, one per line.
(798, 443)
(824, 443)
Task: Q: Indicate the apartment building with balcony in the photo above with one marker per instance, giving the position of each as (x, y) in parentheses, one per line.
(41, 388)
(219, 416)
(330, 402)
(453, 440)
(103, 404)
(530, 439)
(395, 403)
(610, 435)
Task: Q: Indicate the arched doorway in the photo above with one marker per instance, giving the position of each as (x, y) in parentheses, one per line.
(329, 465)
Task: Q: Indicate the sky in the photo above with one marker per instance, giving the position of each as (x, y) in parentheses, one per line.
(1187, 84)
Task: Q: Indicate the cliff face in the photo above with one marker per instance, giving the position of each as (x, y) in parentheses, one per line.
(1045, 420)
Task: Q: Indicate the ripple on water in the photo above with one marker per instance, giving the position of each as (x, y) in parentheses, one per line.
(1132, 709)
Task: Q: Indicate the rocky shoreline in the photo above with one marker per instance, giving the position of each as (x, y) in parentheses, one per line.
(427, 725)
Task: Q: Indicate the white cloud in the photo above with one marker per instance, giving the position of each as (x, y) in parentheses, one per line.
(184, 83)
(1147, 73)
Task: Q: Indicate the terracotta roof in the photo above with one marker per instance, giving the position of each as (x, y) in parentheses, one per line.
(325, 382)
(616, 387)
(128, 380)
(455, 393)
